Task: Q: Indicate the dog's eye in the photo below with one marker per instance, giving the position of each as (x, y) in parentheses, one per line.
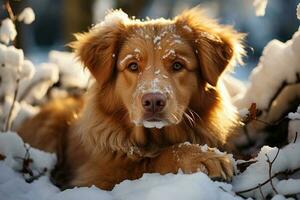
(133, 67)
(177, 66)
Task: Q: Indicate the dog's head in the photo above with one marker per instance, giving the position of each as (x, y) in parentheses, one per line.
(156, 68)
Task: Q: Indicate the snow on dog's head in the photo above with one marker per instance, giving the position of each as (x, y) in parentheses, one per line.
(160, 72)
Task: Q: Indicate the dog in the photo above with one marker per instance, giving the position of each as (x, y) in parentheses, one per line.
(157, 95)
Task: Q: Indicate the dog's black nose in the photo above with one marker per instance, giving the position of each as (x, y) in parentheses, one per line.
(153, 102)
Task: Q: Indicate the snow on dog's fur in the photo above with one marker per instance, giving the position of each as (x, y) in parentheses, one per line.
(156, 87)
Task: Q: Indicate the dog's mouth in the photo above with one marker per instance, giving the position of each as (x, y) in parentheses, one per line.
(152, 122)
(156, 120)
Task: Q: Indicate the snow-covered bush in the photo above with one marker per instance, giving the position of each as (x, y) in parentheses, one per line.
(73, 74)
(279, 66)
(14, 67)
(27, 16)
(24, 86)
(260, 7)
(7, 31)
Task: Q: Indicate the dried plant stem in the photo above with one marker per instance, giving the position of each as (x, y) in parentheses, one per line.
(9, 10)
(8, 118)
(268, 180)
(260, 191)
(296, 137)
(270, 169)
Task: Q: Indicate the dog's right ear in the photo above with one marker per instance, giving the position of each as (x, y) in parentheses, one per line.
(98, 48)
(217, 47)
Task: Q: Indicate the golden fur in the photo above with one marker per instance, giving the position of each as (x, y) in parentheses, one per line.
(104, 142)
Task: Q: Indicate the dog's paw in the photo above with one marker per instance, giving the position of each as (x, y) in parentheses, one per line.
(218, 167)
(191, 159)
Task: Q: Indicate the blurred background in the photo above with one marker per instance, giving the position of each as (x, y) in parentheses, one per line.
(57, 20)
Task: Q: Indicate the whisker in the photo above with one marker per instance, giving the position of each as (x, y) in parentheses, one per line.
(190, 119)
(194, 113)
(175, 117)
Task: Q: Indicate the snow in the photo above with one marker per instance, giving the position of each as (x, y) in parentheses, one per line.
(35, 89)
(27, 16)
(71, 71)
(27, 70)
(150, 186)
(7, 31)
(8, 81)
(294, 125)
(137, 50)
(13, 186)
(12, 147)
(279, 197)
(176, 41)
(12, 68)
(156, 40)
(260, 7)
(153, 86)
(186, 27)
(127, 57)
(170, 52)
(294, 116)
(113, 18)
(170, 186)
(92, 193)
(14, 56)
(288, 187)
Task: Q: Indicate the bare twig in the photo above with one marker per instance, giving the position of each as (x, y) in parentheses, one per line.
(9, 10)
(8, 121)
(263, 122)
(8, 118)
(253, 116)
(268, 180)
(270, 169)
(261, 193)
(26, 170)
(35, 177)
(296, 136)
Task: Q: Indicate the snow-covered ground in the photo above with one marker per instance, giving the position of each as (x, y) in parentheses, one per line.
(150, 186)
(179, 186)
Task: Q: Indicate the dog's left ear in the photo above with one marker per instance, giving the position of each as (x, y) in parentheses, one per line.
(98, 48)
(216, 46)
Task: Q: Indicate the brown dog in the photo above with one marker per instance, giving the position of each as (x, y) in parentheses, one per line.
(156, 87)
